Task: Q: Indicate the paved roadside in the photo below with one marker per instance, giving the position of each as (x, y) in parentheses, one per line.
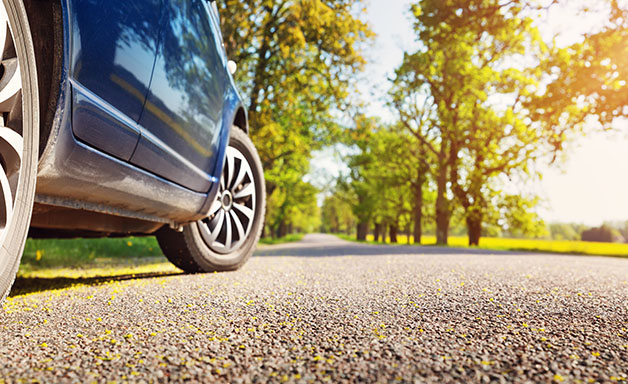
(328, 310)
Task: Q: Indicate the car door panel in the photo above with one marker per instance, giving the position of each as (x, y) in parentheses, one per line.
(99, 122)
(182, 119)
(114, 45)
(173, 166)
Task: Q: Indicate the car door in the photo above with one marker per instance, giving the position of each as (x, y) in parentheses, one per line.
(114, 43)
(182, 118)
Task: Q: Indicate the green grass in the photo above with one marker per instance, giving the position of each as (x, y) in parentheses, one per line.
(286, 239)
(77, 252)
(56, 263)
(100, 257)
(533, 245)
(79, 256)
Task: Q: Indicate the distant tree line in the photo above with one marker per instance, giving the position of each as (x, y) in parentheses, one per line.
(611, 232)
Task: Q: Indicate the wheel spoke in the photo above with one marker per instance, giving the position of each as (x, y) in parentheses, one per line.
(245, 210)
(10, 84)
(11, 146)
(227, 225)
(230, 170)
(11, 142)
(244, 170)
(238, 225)
(213, 233)
(215, 206)
(246, 191)
(6, 200)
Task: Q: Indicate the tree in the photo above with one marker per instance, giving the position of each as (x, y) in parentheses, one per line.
(586, 81)
(463, 96)
(304, 214)
(394, 181)
(565, 231)
(623, 230)
(381, 183)
(603, 234)
(336, 215)
(292, 206)
(515, 215)
(358, 187)
(296, 60)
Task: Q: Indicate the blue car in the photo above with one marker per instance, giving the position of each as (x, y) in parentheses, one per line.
(122, 118)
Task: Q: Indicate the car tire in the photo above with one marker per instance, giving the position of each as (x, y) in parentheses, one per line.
(227, 238)
(19, 137)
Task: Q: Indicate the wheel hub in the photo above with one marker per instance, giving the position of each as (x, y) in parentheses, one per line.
(226, 200)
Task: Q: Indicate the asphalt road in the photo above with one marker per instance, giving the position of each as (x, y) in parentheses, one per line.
(327, 310)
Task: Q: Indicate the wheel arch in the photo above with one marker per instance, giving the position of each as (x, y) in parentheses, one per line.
(240, 120)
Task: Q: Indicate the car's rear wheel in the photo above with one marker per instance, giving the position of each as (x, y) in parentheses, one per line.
(19, 137)
(228, 236)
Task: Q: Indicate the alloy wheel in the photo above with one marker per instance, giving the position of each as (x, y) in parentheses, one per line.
(232, 212)
(11, 142)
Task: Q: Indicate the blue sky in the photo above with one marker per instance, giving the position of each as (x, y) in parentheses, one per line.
(591, 183)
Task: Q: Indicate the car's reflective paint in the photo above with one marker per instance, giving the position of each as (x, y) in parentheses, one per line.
(161, 64)
(186, 98)
(113, 46)
(93, 170)
(96, 122)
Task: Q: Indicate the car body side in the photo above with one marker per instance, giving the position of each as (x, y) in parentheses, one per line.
(115, 158)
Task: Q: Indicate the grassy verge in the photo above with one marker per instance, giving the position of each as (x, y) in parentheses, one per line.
(91, 257)
(287, 239)
(61, 263)
(83, 258)
(532, 245)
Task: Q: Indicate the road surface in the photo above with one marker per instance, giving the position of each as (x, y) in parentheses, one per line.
(328, 310)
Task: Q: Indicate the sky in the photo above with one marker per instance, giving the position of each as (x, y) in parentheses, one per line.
(590, 183)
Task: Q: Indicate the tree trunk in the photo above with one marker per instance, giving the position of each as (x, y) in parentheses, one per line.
(393, 233)
(377, 231)
(442, 208)
(418, 228)
(418, 205)
(475, 217)
(408, 233)
(363, 229)
(282, 230)
(474, 229)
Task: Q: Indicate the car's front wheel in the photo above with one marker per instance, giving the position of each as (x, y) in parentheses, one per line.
(19, 137)
(227, 237)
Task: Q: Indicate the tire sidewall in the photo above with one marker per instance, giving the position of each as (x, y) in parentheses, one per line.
(206, 258)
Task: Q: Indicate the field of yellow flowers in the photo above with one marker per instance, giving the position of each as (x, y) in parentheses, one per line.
(533, 245)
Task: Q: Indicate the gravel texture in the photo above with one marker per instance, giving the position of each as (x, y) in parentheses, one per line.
(327, 310)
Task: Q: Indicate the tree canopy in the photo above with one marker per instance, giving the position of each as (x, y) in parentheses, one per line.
(297, 60)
